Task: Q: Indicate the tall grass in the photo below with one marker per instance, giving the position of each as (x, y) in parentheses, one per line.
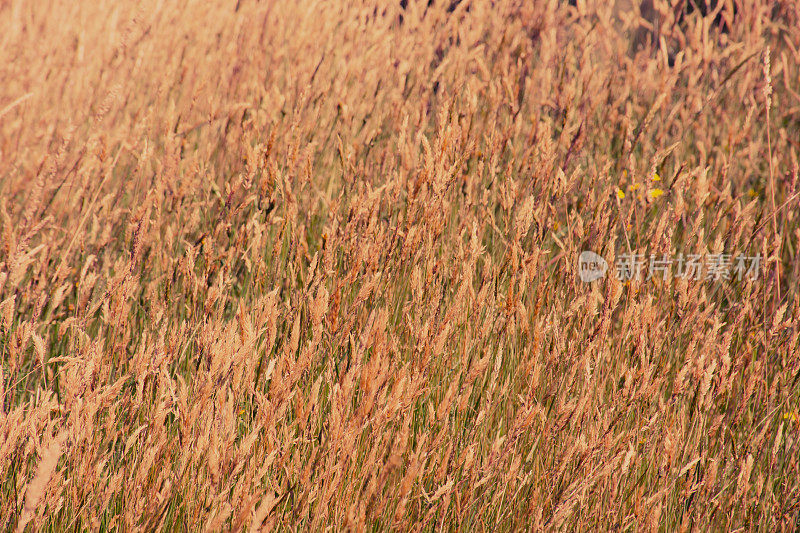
(314, 265)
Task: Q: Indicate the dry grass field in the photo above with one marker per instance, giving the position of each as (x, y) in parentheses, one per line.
(314, 265)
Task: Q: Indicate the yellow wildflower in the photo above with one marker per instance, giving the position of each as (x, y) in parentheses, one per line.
(752, 193)
(620, 194)
(655, 193)
(656, 177)
(792, 416)
(635, 187)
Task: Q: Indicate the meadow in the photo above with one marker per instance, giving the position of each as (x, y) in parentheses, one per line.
(316, 265)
